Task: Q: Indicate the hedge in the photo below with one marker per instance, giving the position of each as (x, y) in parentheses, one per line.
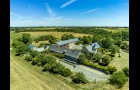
(107, 70)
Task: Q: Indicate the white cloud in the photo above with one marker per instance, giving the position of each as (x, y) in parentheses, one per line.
(18, 16)
(89, 11)
(67, 3)
(52, 18)
(52, 14)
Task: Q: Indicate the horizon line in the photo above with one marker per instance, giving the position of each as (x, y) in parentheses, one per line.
(69, 26)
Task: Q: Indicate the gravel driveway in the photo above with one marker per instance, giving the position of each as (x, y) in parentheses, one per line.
(90, 73)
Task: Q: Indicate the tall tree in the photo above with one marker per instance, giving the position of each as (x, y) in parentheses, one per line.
(26, 39)
(107, 43)
(67, 36)
(21, 49)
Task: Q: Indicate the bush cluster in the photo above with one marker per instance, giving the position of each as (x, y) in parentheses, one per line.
(49, 64)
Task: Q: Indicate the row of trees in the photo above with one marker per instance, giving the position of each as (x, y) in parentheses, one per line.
(74, 29)
(21, 44)
(103, 62)
(48, 63)
(101, 59)
(51, 38)
(124, 35)
(67, 36)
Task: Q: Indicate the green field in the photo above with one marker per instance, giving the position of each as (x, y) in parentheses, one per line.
(115, 30)
(55, 33)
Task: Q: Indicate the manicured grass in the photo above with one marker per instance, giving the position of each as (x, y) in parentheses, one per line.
(56, 34)
(120, 62)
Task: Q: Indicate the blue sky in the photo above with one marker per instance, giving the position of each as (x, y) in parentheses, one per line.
(69, 12)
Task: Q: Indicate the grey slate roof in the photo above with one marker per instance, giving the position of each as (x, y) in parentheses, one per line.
(95, 45)
(73, 53)
(46, 47)
(57, 49)
(31, 46)
(68, 52)
(39, 49)
(89, 48)
(67, 41)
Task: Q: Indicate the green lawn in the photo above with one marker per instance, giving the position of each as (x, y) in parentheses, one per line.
(120, 62)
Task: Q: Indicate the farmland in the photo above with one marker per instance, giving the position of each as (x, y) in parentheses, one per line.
(115, 30)
(25, 76)
(56, 34)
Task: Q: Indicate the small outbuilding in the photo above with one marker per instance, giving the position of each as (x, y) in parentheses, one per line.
(92, 48)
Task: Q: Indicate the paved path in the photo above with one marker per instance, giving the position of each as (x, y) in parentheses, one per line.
(90, 73)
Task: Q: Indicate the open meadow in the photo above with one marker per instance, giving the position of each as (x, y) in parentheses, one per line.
(56, 34)
(115, 30)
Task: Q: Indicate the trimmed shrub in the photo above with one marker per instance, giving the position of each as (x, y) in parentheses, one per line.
(57, 68)
(66, 72)
(118, 79)
(106, 60)
(34, 53)
(126, 71)
(111, 69)
(101, 68)
(79, 78)
(112, 55)
(29, 58)
(97, 57)
(81, 58)
(34, 61)
(47, 67)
